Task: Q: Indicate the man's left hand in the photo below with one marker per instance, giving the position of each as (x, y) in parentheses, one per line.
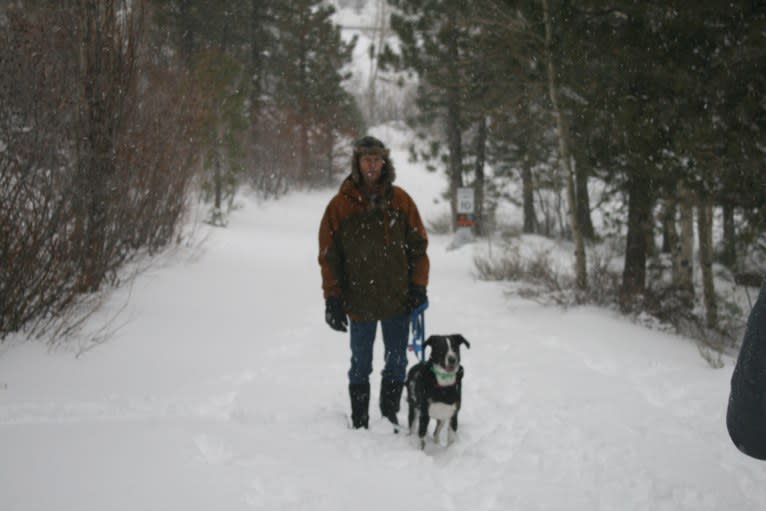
(417, 297)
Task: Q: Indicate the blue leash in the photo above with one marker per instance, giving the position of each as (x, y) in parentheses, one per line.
(418, 326)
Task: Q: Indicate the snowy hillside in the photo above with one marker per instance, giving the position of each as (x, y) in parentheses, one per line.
(224, 389)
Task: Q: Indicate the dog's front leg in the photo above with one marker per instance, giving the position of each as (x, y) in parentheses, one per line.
(438, 429)
(413, 418)
(452, 431)
(423, 427)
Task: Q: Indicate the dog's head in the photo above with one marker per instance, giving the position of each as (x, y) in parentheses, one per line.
(445, 350)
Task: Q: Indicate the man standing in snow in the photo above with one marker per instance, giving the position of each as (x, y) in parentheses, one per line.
(372, 253)
(746, 414)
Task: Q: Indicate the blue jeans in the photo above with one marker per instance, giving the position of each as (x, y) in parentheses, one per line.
(395, 331)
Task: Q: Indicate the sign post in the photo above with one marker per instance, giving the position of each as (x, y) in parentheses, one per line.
(465, 207)
(465, 217)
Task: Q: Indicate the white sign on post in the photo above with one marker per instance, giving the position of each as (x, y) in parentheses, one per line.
(465, 208)
(465, 217)
(465, 200)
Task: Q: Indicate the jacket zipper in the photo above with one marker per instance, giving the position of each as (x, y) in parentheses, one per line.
(386, 232)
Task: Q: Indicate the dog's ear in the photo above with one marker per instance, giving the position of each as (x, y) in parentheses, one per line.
(429, 341)
(461, 340)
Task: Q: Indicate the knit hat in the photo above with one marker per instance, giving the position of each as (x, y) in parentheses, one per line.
(371, 145)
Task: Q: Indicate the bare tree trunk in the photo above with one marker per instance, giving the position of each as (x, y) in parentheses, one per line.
(107, 63)
(705, 235)
(639, 214)
(330, 145)
(528, 197)
(581, 273)
(481, 155)
(683, 253)
(454, 136)
(256, 87)
(381, 24)
(583, 203)
(303, 128)
(547, 226)
(218, 169)
(729, 236)
(669, 230)
(670, 238)
(651, 247)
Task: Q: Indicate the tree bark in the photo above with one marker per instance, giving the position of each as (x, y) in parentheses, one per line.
(651, 247)
(583, 203)
(454, 136)
(480, 227)
(669, 230)
(107, 64)
(639, 214)
(683, 253)
(381, 20)
(705, 235)
(581, 274)
(256, 86)
(729, 256)
(218, 159)
(329, 152)
(528, 197)
(303, 128)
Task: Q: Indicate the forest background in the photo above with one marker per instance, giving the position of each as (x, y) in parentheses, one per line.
(633, 131)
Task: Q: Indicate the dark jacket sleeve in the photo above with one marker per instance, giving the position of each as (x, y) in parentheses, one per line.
(417, 242)
(746, 414)
(330, 259)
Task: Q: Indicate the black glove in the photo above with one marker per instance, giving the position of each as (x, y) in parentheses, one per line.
(334, 314)
(417, 297)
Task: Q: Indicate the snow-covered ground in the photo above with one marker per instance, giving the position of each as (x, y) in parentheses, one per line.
(224, 389)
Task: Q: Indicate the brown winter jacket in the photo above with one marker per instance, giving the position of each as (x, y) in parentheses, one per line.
(371, 251)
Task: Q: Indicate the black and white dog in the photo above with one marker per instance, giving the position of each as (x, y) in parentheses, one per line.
(433, 387)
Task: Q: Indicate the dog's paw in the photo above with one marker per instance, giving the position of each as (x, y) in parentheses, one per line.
(422, 444)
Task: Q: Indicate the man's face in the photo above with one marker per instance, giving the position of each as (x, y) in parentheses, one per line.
(371, 166)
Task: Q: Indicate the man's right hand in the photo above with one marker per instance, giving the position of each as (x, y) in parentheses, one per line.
(334, 315)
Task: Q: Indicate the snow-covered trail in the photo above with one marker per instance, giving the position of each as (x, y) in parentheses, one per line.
(224, 389)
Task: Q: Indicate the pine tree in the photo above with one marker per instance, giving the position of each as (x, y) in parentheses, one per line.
(435, 44)
(273, 72)
(309, 55)
(211, 36)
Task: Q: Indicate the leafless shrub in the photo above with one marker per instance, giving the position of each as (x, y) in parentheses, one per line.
(539, 277)
(96, 156)
(36, 269)
(713, 357)
(440, 225)
(273, 170)
(661, 307)
(507, 267)
(603, 281)
(675, 310)
(157, 159)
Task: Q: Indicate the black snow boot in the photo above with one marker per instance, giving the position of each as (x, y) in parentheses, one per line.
(390, 397)
(360, 404)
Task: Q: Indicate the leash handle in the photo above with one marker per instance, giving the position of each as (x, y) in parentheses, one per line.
(418, 327)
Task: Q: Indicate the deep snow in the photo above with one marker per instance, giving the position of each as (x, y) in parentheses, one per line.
(224, 389)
